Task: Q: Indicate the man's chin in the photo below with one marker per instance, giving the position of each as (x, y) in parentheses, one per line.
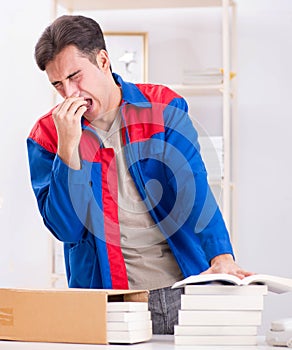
(89, 117)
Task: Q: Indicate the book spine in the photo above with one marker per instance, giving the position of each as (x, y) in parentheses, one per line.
(215, 340)
(222, 302)
(129, 337)
(226, 290)
(219, 318)
(128, 326)
(215, 330)
(126, 306)
(128, 316)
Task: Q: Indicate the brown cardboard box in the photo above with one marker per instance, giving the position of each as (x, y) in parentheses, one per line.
(67, 316)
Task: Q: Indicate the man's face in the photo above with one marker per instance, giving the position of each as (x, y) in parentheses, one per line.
(72, 74)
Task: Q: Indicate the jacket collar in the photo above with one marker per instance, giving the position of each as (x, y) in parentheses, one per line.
(131, 93)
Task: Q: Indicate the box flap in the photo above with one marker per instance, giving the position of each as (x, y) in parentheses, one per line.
(128, 295)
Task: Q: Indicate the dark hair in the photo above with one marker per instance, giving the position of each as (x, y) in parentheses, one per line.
(80, 31)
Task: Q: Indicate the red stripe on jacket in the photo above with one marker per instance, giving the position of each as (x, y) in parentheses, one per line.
(111, 222)
(91, 151)
(143, 123)
(45, 134)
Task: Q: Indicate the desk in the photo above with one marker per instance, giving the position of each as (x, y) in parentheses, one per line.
(159, 342)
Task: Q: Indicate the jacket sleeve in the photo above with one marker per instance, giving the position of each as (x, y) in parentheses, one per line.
(199, 209)
(61, 193)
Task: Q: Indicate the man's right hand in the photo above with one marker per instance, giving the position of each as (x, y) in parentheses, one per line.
(67, 118)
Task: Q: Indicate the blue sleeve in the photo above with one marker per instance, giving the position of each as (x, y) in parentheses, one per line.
(199, 209)
(61, 193)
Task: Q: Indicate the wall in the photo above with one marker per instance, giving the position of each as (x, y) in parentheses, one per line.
(24, 96)
(177, 39)
(264, 167)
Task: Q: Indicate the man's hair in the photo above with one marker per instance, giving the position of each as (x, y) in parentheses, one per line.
(82, 32)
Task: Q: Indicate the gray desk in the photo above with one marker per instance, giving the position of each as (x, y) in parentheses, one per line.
(159, 342)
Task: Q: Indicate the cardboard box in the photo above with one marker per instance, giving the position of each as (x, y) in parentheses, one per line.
(66, 316)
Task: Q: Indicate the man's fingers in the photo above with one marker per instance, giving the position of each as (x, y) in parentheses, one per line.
(69, 107)
(75, 107)
(72, 104)
(80, 111)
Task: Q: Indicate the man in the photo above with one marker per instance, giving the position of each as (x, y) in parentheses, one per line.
(118, 176)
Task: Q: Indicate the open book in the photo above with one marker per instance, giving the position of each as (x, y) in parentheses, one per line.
(274, 283)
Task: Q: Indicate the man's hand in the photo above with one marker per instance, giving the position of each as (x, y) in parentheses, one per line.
(225, 264)
(67, 118)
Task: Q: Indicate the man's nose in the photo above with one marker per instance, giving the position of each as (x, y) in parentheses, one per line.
(71, 90)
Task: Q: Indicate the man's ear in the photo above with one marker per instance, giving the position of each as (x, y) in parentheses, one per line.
(102, 60)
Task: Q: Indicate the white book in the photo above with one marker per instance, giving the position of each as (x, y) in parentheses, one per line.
(275, 284)
(215, 330)
(126, 306)
(215, 340)
(219, 318)
(222, 302)
(128, 316)
(218, 289)
(128, 326)
(129, 337)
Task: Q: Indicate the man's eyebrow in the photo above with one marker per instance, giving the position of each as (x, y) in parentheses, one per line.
(68, 77)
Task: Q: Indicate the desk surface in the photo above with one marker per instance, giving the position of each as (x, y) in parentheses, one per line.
(159, 342)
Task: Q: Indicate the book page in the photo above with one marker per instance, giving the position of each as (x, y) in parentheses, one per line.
(275, 284)
(208, 278)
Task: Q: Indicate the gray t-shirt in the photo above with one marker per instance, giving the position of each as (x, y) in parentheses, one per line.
(149, 261)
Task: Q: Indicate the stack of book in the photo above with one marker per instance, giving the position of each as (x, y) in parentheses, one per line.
(219, 309)
(219, 315)
(128, 322)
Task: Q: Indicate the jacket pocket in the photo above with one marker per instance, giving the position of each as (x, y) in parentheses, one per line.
(152, 148)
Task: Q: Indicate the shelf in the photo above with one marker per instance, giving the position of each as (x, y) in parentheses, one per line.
(90, 5)
(190, 90)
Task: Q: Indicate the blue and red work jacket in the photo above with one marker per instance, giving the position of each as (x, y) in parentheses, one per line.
(80, 207)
